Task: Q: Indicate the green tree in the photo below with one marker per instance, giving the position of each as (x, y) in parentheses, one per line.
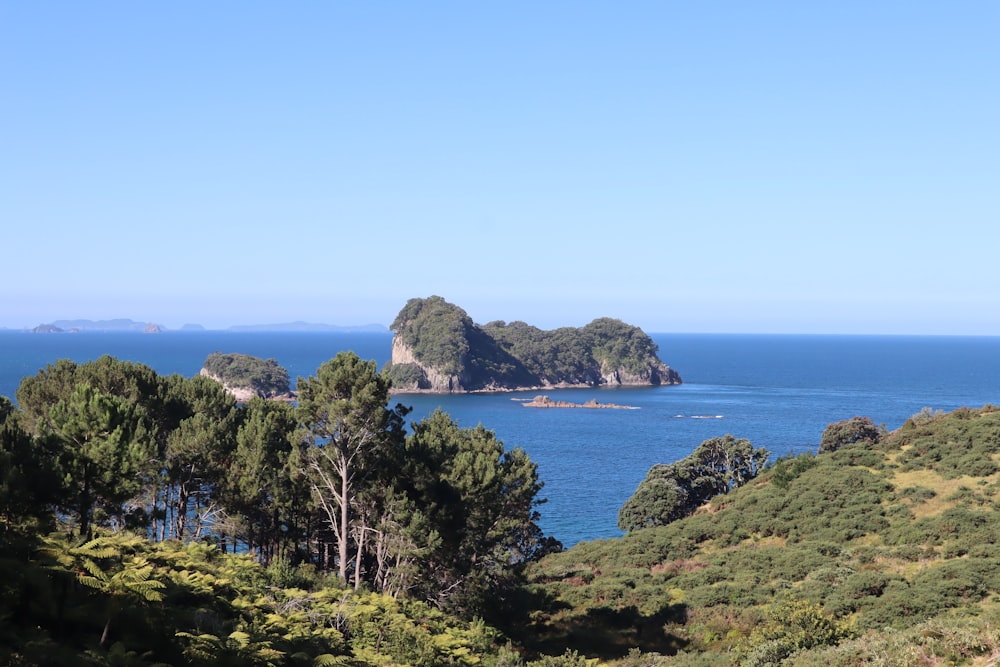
(197, 454)
(480, 502)
(102, 452)
(658, 500)
(849, 432)
(134, 389)
(27, 479)
(672, 491)
(343, 408)
(262, 488)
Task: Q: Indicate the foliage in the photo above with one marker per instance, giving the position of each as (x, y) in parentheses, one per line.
(877, 550)
(264, 376)
(963, 443)
(410, 376)
(266, 497)
(100, 450)
(849, 432)
(344, 410)
(672, 491)
(880, 537)
(478, 518)
(28, 483)
(192, 604)
(791, 627)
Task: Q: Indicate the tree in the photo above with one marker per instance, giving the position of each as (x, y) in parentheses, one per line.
(27, 479)
(102, 451)
(344, 411)
(197, 454)
(262, 490)
(848, 432)
(479, 503)
(133, 392)
(658, 500)
(672, 491)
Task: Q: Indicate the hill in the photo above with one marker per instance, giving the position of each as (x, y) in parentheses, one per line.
(438, 348)
(885, 550)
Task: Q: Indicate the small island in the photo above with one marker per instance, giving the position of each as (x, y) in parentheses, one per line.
(246, 377)
(546, 402)
(437, 348)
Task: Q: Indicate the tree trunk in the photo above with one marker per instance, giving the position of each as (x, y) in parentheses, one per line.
(343, 524)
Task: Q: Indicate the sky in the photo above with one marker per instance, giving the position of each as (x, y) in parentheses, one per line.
(725, 166)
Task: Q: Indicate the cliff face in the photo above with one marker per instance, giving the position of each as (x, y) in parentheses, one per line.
(656, 374)
(437, 348)
(241, 394)
(244, 394)
(428, 378)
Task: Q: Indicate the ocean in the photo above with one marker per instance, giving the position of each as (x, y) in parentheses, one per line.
(779, 391)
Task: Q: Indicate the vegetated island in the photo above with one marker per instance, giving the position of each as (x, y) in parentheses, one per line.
(437, 348)
(246, 377)
(546, 402)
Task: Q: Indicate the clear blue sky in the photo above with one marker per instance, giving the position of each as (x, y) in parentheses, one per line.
(685, 166)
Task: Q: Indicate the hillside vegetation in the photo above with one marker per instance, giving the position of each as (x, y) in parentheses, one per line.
(150, 520)
(883, 551)
(154, 520)
(438, 347)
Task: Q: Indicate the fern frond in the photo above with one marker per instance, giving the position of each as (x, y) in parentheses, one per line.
(91, 582)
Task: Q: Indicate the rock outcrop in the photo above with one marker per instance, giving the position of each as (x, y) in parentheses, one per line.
(546, 402)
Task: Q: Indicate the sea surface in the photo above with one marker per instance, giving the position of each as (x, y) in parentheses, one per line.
(779, 391)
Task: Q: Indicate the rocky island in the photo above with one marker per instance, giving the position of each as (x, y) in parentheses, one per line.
(546, 402)
(246, 377)
(437, 348)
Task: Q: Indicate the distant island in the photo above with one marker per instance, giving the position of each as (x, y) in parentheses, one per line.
(132, 326)
(245, 376)
(438, 348)
(116, 325)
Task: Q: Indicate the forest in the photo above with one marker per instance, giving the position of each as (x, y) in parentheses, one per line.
(152, 520)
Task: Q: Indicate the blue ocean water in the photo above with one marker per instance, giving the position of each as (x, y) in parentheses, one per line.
(779, 391)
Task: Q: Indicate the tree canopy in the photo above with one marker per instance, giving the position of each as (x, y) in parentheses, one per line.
(673, 491)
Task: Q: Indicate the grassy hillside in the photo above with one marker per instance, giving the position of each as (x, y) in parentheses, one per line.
(872, 554)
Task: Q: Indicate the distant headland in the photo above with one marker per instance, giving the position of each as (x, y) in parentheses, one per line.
(132, 326)
(437, 348)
